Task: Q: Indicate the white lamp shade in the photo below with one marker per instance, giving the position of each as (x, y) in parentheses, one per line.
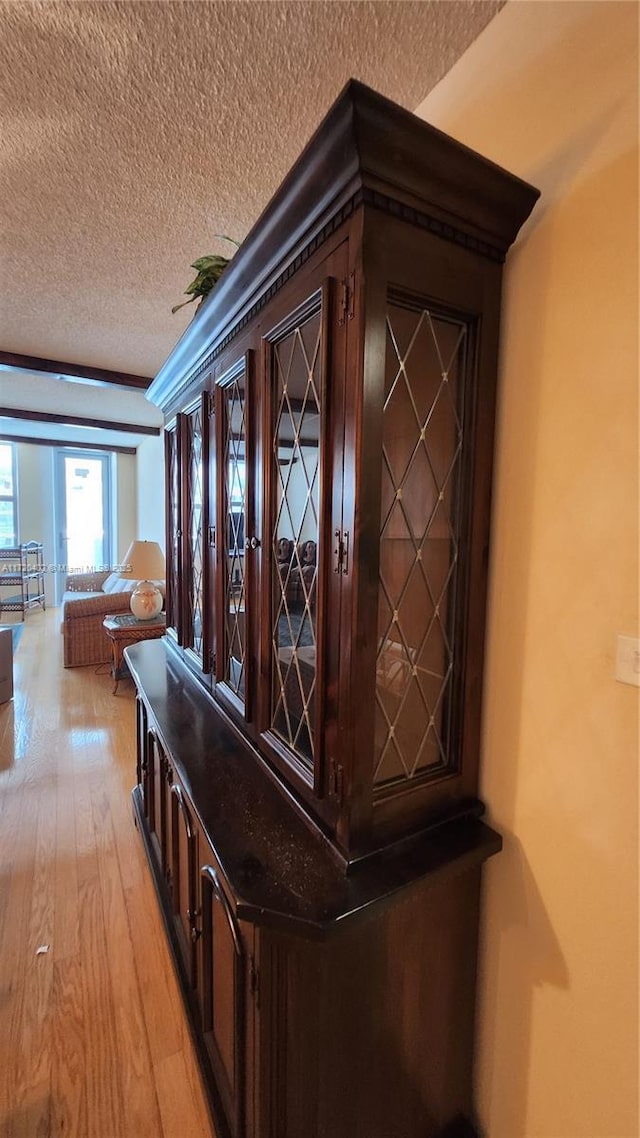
(143, 560)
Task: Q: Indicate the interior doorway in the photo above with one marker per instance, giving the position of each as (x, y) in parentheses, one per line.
(83, 509)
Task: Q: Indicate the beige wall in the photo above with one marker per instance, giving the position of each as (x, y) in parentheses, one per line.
(126, 503)
(550, 91)
(150, 490)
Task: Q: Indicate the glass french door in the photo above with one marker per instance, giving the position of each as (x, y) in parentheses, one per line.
(83, 501)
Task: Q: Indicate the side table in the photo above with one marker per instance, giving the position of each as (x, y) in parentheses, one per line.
(124, 629)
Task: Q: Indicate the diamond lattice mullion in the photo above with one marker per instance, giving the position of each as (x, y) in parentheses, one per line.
(281, 702)
(403, 590)
(382, 640)
(415, 612)
(309, 500)
(400, 357)
(285, 580)
(288, 676)
(438, 506)
(439, 598)
(414, 685)
(443, 414)
(432, 727)
(284, 367)
(436, 602)
(283, 510)
(400, 483)
(445, 482)
(311, 364)
(445, 368)
(305, 718)
(390, 742)
(444, 386)
(401, 414)
(235, 485)
(405, 696)
(390, 750)
(436, 732)
(394, 488)
(295, 453)
(298, 343)
(293, 639)
(453, 561)
(416, 414)
(403, 371)
(311, 328)
(392, 602)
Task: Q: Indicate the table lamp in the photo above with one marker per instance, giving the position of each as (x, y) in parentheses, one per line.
(144, 562)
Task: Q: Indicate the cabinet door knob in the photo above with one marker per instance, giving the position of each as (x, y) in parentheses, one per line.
(252, 543)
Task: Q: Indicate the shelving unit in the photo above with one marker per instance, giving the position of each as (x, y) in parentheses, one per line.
(309, 729)
(22, 568)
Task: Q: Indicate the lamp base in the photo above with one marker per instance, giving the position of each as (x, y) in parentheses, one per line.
(146, 600)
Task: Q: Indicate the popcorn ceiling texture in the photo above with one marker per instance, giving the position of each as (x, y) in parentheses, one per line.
(131, 133)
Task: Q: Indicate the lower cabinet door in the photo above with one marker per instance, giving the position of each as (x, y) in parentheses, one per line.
(158, 822)
(184, 840)
(222, 997)
(141, 746)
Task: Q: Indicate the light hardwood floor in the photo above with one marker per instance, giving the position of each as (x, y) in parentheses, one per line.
(93, 1039)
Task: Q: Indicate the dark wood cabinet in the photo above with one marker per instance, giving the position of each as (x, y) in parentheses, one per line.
(184, 877)
(318, 846)
(222, 994)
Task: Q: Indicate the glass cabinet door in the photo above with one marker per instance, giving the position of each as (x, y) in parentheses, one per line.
(423, 426)
(235, 530)
(193, 522)
(297, 414)
(173, 545)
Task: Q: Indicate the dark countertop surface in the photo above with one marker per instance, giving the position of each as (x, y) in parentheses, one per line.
(277, 869)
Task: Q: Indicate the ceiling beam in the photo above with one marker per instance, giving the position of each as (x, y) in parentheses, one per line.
(76, 371)
(78, 421)
(64, 443)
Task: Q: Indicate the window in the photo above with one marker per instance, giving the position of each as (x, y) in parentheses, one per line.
(8, 496)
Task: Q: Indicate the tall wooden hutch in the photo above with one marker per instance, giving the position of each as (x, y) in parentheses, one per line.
(309, 729)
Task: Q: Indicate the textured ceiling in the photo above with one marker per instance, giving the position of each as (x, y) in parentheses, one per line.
(131, 133)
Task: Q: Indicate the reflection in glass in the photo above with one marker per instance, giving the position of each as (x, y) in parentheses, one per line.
(294, 548)
(422, 443)
(194, 528)
(235, 508)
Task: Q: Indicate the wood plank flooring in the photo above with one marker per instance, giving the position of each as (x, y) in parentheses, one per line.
(93, 1038)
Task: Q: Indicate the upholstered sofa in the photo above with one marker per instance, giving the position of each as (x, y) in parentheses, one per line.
(87, 599)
